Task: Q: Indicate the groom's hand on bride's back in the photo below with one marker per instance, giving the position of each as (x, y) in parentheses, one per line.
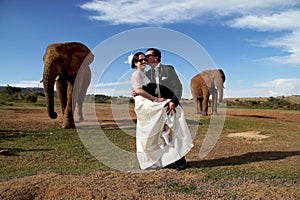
(134, 93)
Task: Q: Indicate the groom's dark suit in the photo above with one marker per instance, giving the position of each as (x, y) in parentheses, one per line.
(170, 88)
(169, 84)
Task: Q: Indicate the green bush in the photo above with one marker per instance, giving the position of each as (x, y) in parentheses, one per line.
(12, 94)
(99, 98)
(30, 97)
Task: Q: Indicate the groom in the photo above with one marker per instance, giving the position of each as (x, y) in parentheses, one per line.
(166, 84)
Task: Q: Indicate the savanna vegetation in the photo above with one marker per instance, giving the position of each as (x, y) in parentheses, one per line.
(284, 103)
(10, 94)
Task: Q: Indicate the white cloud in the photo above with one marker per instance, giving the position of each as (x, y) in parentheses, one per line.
(277, 87)
(266, 15)
(113, 84)
(288, 20)
(171, 11)
(121, 88)
(290, 44)
(24, 84)
(138, 12)
(280, 87)
(284, 21)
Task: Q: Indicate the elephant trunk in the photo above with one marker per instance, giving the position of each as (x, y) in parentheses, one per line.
(220, 81)
(48, 82)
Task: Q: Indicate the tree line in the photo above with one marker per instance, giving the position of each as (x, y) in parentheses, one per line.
(14, 94)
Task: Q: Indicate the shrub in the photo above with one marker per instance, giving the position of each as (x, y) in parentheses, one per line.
(99, 98)
(30, 97)
(13, 94)
(271, 103)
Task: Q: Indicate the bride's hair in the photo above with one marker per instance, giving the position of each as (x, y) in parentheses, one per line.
(135, 58)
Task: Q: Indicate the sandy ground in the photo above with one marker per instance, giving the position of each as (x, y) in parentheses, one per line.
(160, 184)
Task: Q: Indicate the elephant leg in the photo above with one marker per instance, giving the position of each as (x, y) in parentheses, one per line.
(80, 101)
(61, 88)
(81, 85)
(200, 101)
(198, 108)
(197, 104)
(68, 120)
(75, 97)
(205, 105)
(214, 101)
(79, 105)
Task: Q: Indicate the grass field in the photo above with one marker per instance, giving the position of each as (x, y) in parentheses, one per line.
(257, 156)
(38, 145)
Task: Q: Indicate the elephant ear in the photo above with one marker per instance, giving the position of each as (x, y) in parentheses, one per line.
(55, 59)
(219, 78)
(78, 53)
(55, 52)
(206, 75)
(222, 75)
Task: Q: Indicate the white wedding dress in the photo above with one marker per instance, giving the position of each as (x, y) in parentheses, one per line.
(152, 150)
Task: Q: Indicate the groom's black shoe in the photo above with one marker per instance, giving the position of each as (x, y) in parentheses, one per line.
(181, 164)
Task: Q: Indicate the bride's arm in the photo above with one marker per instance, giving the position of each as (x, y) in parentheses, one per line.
(137, 84)
(146, 95)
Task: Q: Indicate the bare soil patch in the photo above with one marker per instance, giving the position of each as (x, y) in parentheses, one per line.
(164, 183)
(248, 135)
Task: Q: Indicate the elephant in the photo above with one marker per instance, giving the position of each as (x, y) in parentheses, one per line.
(205, 83)
(67, 66)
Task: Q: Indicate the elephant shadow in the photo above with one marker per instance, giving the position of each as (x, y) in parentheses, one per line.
(255, 116)
(16, 151)
(11, 135)
(193, 122)
(246, 158)
(118, 124)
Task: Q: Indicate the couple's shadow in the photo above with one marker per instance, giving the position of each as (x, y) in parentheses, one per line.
(243, 159)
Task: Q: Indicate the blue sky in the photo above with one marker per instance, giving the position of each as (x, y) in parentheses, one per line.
(256, 43)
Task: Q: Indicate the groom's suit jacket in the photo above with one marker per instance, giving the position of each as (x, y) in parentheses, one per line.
(169, 84)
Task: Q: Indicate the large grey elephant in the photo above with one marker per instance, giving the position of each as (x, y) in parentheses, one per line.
(62, 63)
(206, 83)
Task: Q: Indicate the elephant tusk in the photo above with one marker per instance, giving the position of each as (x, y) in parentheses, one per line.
(57, 78)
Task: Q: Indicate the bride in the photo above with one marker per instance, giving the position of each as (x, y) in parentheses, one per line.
(161, 139)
